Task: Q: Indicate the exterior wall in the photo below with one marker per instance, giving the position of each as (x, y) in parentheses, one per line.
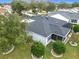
(78, 22)
(39, 38)
(66, 39)
(47, 40)
(75, 22)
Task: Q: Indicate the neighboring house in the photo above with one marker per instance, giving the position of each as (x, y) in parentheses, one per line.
(63, 9)
(65, 16)
(2, 11)
(8, 8)
(5, 9)
(45, 29)
(42, 13)
(76, 9)
(28, 13)
(45, 1)
(72, 10)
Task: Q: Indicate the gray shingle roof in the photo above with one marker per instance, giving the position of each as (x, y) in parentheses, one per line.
(68, 15)
(45, 26)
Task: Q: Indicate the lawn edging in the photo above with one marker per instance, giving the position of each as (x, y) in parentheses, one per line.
(74, 44)
(8, 52)
(33, 57)
(56, 55)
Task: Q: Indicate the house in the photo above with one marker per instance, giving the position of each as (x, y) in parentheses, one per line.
(45, 1)
(4, 9)
(72, 10)
(8, 8)
(42, 13)
(45, 29)
(28, 13)
(76, 9)
(65, 16)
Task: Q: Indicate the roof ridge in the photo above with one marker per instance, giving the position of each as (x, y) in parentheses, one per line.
(44, 26)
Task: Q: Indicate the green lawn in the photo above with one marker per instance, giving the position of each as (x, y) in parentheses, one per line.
(71, 53)
(23, 52)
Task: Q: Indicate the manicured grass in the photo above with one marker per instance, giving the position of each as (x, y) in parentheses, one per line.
(23, 52)
(71, 52)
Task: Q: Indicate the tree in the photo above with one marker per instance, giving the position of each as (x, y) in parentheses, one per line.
(76, 28)
(42, 5)
(75, 4)
(12, 30)
(51, 6)
(33, 5)
(59, 47)
(26, 6)
(37, 49)
(1, 4)
(63, 5)
(17, 6)
(29, 39)
(3, 44)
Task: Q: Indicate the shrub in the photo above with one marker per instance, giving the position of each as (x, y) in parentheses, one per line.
(59, 47)
(4, 46)
(29, 39)
(76, 28)
(37, 49)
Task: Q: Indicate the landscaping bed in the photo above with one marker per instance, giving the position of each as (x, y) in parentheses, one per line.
(56, 55)
(24, 51)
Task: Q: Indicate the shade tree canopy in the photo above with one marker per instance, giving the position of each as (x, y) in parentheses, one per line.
(12, 31)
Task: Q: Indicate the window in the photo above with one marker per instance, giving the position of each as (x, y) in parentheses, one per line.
(55, 37)
(73, 20)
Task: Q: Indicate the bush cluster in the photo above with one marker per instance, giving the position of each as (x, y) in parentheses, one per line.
(59, 47)
(37, 49)
(76, 28)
